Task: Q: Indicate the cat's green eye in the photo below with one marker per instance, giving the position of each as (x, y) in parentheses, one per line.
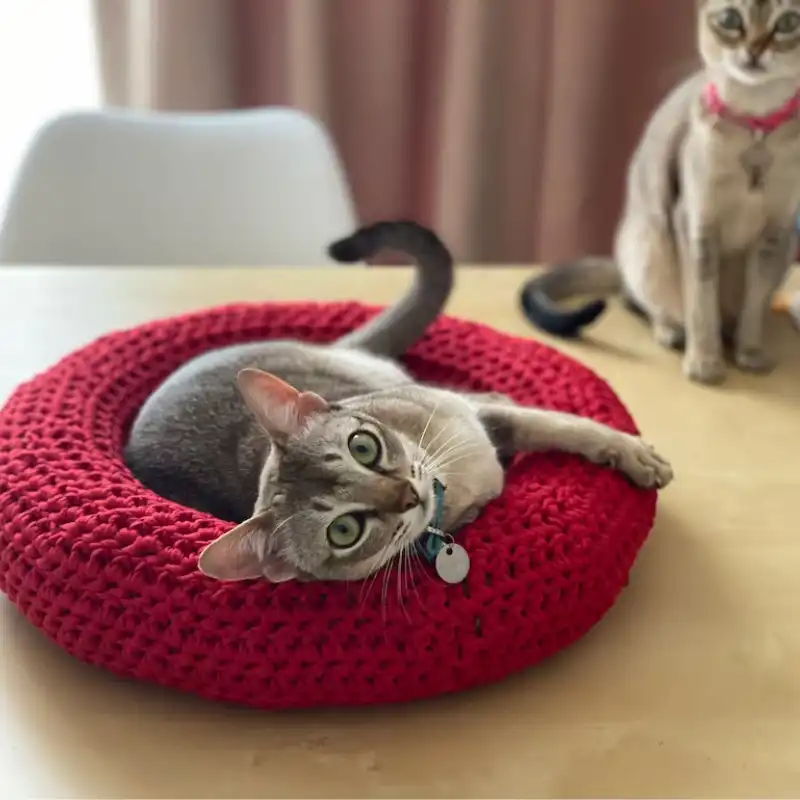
(730, 21)
(365, 448)
(345, 531)
(787, 23)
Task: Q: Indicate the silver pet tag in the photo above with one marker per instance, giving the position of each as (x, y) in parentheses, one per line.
(452, 563)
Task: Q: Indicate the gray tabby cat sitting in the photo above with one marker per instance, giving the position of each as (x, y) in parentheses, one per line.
(329, 456)
(708, 230)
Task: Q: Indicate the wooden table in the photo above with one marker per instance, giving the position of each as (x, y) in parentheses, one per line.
(690, 686)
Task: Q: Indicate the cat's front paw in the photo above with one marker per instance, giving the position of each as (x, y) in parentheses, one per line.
(643, 466)
(754, 359)
(669, 336)
(709, 370)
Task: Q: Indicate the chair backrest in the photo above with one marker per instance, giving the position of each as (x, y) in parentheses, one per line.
(255, 187)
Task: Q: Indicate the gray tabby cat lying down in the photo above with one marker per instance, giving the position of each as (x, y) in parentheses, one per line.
(327, 455)
(708, 231)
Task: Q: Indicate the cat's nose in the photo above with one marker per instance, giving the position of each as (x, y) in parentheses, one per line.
(410, 497)
(755, 50)
(753, 61)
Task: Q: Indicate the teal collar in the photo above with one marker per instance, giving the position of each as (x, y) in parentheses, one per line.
(434, 538)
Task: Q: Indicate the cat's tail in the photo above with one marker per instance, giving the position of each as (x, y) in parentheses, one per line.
(542, 296)
(395, 330)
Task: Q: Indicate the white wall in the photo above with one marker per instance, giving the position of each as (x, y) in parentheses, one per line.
(48, 63)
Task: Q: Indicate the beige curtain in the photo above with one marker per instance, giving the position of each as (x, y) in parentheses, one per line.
(506, 124)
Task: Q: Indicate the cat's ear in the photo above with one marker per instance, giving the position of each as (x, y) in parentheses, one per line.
(243, 554)
(280, 409)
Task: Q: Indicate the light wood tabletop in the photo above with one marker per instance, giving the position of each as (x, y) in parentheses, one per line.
(689, 687)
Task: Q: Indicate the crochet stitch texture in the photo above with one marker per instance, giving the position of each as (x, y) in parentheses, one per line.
(108, 570)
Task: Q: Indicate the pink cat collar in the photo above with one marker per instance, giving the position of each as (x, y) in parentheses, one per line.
(762, 124)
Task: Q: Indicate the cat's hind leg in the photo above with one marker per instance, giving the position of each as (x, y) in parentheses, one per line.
(667, 332)
(648, 262)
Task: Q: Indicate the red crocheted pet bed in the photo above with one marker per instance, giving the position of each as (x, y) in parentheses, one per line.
(108, 570)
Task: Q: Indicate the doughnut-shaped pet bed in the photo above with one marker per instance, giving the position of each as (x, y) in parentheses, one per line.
(108, 570)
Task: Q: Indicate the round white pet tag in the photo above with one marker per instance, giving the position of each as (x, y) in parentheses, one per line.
(452, 563)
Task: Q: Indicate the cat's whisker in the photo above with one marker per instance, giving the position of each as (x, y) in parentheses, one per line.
(459, 457)
(455, 454)
(387, 573)
(401, 576)
(284, 522)
(447, 466)
(457, 473)
(457, 448)
(366, 587)
(372, 577)
(425, 430)
(430, 459)
(423, 569)
(464, 442)
(430, 464)
(413, 562)
(443, 430)
(433, 455)
(409, 548)
(443, 452)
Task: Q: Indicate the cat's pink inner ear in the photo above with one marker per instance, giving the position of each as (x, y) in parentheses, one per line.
(309, 403)
(243, 554)
(280, 409)
(235, 556)
(278, 570)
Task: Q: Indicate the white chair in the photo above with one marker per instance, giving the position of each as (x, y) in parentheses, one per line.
(242, 188)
